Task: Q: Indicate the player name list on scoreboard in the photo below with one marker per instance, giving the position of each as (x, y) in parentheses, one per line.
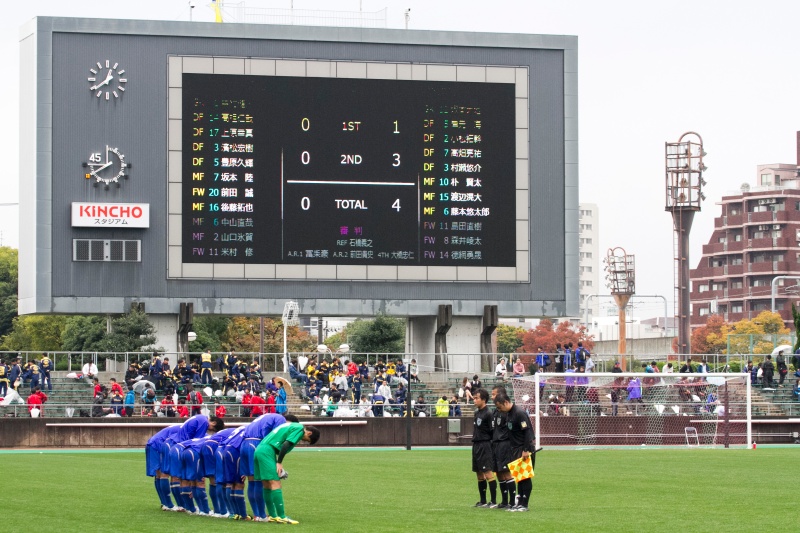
(289, 170)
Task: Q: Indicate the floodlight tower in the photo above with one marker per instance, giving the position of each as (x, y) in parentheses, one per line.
(291, 317)
(684, 194)
(620, 270)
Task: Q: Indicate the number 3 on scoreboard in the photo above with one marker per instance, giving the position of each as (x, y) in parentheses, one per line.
(396, 205)
(396, 160)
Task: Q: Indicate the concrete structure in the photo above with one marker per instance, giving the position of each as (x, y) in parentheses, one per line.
(588, 259)
(75, 123)
(756, 237)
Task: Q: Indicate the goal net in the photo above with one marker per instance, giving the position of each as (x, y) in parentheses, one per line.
(634, 409)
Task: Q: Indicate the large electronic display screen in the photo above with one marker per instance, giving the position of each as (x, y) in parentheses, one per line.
(335, 171)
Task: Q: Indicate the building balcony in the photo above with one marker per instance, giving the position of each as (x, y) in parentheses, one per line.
(736, 293)
(769, 266)
(734, 270)
(706, 272)
(758, 244)
(761, 217)
(714, 248)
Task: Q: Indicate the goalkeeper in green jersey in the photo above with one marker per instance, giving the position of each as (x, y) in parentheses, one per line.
(268, 459)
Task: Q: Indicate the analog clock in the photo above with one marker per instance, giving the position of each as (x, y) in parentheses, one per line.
(107, 169)
(107, 80)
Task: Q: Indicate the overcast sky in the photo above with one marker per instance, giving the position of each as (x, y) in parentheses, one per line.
(648, 72)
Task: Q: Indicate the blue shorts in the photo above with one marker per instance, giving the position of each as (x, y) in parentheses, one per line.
(152, 459)
(208, 454)
(227, 464)
(246, 454)
(174, 459)
(163, 458)
(192, 465)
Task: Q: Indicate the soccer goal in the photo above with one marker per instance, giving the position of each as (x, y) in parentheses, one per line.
(637, 409)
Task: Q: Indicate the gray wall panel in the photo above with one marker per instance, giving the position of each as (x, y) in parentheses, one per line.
(137, 126)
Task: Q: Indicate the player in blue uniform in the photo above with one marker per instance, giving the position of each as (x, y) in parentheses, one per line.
(193, 469)
(157, 454)
(253, 434)
(208, 454)
(226, 473)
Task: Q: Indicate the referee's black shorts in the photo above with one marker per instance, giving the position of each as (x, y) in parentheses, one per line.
(503, 454)
(482, 456)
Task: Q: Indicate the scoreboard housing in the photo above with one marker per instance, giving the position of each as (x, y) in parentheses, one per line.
(355, 171)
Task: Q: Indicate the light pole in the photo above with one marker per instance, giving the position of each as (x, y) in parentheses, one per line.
(291, 317)
(621, 280)
(684, 194)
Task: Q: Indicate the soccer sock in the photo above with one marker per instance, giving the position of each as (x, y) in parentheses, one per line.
(482, 490)
(511, 487)
(228, 495)
(188, 501)
(251, 497)
(175, 488)
(261, 504)
(493, 490)
(269, 504)
(162, 486)
(524, 487)
(238, 502)
(503, 493)
(212, 495)
(277, 500)
(202, 499)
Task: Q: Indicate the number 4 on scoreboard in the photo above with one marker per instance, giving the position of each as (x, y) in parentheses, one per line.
(396, 205)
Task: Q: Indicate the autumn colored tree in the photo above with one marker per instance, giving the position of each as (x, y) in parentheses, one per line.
(243, 335)
(712, 337)
(547, 336)
(757, 335)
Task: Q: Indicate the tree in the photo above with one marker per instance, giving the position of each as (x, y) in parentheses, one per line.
(748, 335)
(712, 337)
(547, 337)
(509, 338)
(210, 330)
(383, 334)
(242, 335)
(796, 319)
(9, 281)
(130, 332)
(38, 333)
(83, 333)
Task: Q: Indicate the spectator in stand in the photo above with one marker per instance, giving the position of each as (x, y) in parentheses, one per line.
(400, 396)
(355, 384)
(89, 370)
(769, 371)
(466, 389)
(97, 387)
(3, 379)
(130, 401)
(281, 400)
(168, 406)
(780, 364)
(195, 400)
(518, 368)
(258, 405)
(182, 408)
(687, 367)
(246, 401)
(115, 387)
(271, 401)
(391, 369)
(567, 358)
(206, 376)
(296, 375)
(442, 407)
(702, 368)
(668, 369)
(420, 407)
(569, 384)
(148, 401)
(796, 389)
(454, 409)
(589, 363)
(97, 405)
(542, 360)
(36, 401)
(363, 369)
(45, 366)
(476, 384)
(130, 375)
(634, 390)
(220, 411)
(32, 374)
(156, 370)
(413, 370)
(380, 367)
(385, 391)
(116, 402)
(352, 368)
(500, 370)
(401, 370)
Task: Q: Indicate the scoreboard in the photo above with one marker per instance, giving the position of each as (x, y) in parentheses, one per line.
(337, 171)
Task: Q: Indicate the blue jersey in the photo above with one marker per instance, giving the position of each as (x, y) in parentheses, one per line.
(262, 426)
(161, 437)
(191, 429)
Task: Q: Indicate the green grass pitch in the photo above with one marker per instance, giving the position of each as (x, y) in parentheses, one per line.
(430, 491)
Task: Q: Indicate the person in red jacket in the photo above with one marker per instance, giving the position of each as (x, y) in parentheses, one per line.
(220, 411)
(257, 404)
(98, 389)
(115, 387)
(36, 400)
(183, 410)
(246, 403)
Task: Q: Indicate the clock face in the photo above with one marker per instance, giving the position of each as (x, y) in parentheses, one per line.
(107, 168)
(107, 80)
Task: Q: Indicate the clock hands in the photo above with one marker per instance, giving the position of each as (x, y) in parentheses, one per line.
(102, 167)
(106, 81)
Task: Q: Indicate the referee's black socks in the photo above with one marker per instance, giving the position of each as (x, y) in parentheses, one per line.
(493, 490)
(482, 490)
(525, 487)
(511, 487)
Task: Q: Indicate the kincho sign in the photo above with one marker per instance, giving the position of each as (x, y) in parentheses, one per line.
(120, 215)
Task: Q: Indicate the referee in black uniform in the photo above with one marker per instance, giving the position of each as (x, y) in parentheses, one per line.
(501, 449)
(520, 443)
(482, 456)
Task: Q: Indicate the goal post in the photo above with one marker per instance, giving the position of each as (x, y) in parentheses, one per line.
(636, 408)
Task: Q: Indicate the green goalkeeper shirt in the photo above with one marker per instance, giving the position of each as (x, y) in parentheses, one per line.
(288, 432)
